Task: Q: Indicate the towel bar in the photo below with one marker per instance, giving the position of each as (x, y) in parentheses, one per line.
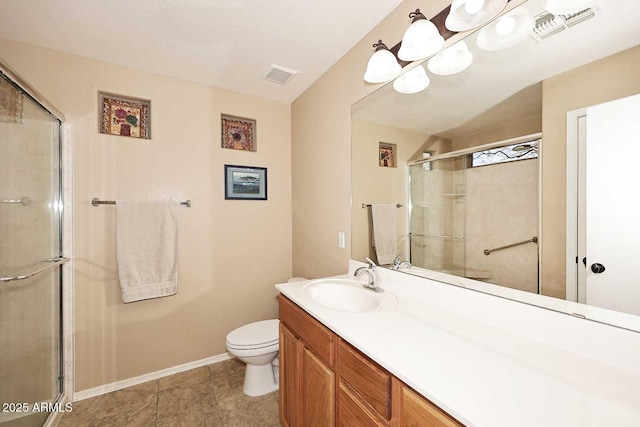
(364, 205)
(97, 202)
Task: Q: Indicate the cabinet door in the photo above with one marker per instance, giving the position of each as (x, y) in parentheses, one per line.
(419, 412)
(318, 392)
(289, 378)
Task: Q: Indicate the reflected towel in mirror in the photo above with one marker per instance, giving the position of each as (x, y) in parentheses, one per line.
(385, 232)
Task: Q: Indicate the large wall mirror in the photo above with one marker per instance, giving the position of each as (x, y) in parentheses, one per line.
(507, 172)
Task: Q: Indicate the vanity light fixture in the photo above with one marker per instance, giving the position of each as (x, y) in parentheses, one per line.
(507, 31)
(468, 14)
(421, 39)
(383, 65)
(567, 7)
(413, 81)
(452, 60)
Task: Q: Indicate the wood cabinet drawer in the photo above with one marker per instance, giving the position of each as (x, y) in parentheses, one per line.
(317, 336)
(368, 380)
(352, 412)
(419, 412)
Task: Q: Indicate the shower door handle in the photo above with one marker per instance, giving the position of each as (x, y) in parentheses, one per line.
(597, 268)
(55, 262)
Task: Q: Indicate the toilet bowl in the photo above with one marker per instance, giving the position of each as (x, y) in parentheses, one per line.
(256, 344)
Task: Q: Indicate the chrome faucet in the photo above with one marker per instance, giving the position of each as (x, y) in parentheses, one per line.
(397, 265)
(373, 276)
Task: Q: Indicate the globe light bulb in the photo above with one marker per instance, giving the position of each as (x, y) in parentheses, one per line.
(505, 25)
(473, 6)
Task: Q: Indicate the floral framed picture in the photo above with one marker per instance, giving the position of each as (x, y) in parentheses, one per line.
(387, 155)
(238, 133)
(245, 183)
(125, 116)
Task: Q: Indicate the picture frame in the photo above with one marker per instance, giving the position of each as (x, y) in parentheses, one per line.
(387, 155)
(245, 182)
(238, 133)
(124, 116)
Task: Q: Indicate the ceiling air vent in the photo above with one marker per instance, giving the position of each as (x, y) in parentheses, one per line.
(547, 24)
(279, 74)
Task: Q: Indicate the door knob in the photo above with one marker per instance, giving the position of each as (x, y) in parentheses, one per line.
(597, 268)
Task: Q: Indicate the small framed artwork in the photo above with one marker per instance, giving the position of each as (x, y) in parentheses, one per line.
(245, 183)
(387, 155)
(238, 133)
(125, 116)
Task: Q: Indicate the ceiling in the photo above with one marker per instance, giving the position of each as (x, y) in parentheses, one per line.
(228, 44)
(503, 86)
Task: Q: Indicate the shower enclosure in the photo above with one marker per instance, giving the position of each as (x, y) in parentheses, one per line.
(30, 256)
(475, 214)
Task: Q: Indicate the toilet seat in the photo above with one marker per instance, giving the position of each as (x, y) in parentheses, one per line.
(257, 335)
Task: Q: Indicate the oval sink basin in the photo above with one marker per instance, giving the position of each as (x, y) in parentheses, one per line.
(346, 295)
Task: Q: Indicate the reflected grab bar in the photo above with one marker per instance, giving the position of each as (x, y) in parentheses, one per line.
(56, 262)
(24, 201)
(534, 239)
(364, 205)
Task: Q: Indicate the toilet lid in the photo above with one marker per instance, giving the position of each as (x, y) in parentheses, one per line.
(257, 334)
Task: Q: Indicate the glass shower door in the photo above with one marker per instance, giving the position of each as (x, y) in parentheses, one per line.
(30, 249)
(437, 227)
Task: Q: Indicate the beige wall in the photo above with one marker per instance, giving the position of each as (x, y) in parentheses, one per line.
(525, 126)
(604, 80)
(374, 184)
(321, 150)
(231, 253)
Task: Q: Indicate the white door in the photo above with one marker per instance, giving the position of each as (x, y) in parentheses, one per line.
(612, 195)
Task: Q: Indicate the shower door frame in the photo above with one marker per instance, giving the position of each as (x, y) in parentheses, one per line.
(65, 183)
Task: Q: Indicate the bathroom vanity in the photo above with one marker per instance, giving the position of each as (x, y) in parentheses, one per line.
(444, 356)
(326, 381)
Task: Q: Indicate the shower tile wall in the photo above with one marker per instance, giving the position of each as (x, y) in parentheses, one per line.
(502, 201)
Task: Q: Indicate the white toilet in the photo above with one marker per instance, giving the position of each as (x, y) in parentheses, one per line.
(256, 344)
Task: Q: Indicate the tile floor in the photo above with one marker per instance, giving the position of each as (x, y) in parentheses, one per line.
(207, 396)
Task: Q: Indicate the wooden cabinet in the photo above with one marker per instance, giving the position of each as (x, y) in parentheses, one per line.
(324, 381)
(419, 412)
(307, 378)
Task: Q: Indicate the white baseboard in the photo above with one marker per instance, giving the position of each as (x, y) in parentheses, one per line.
(119, 385)
(55, 417)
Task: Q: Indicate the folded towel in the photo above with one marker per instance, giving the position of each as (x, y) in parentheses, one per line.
(385, 232)
(146, 247)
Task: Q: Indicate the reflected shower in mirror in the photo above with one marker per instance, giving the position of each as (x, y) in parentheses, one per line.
(486, 158)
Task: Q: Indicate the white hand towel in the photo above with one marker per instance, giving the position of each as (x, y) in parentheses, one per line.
(385, 232)
(146, 247)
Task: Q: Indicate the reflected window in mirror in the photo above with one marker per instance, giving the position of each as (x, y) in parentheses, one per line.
(509, 153)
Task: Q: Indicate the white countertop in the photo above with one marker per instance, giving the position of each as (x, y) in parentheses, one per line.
(452, 346)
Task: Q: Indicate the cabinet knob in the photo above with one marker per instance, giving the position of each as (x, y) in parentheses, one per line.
(597, 268)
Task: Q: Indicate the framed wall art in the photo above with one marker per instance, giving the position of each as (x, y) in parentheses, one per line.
(387, 155)
(125, 116)
(245, 183)
(238, 133)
